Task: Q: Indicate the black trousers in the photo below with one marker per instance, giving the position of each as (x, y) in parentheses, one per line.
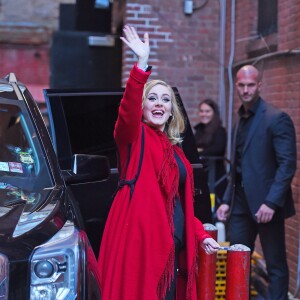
(243, 229)
(172, 291)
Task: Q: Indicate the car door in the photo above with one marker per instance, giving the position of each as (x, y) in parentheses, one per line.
(82, 121)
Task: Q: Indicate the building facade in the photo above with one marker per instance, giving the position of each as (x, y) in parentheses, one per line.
(200, 51)
(266, 34)
(196, 46)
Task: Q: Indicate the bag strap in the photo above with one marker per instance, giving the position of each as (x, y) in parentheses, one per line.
(131, 182)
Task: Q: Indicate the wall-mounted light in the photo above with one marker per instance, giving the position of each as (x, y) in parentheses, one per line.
(189, 6)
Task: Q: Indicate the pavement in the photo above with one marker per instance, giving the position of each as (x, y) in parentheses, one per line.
(258, 297)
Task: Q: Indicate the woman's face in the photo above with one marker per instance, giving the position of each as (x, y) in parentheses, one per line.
(206, 113)
(157, 107)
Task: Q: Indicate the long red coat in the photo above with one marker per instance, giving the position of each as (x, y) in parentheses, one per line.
(136, 259)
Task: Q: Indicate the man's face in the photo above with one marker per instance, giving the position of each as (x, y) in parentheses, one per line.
(248, 87)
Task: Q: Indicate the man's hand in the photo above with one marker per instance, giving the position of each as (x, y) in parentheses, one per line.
(222, 212)
(264, 214)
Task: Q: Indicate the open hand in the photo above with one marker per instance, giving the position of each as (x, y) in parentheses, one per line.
(140, 48)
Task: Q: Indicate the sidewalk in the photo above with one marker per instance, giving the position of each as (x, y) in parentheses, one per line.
(258, 297)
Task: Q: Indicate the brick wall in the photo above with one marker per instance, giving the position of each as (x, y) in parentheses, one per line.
(281, 83)
(184, 48)
(185, 53)
(44, 13)
(25, 37)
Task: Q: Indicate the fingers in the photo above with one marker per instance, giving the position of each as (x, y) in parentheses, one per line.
(210, 249)
(128, 36)
(207, 249)
(124, 40)
(263, 217)
(222, 216)
(130, 33)
(210, 246)
(264, 214)
(222, 212)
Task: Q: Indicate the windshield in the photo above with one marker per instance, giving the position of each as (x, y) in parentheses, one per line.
(24, 172)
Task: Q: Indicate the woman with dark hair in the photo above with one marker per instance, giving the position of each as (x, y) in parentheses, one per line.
(211, 139)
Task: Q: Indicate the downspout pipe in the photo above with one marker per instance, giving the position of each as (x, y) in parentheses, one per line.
(230, 79)
(222, 96)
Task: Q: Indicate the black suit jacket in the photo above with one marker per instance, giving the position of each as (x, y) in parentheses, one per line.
(268, 161)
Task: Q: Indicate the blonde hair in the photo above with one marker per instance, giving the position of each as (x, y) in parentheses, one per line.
(175, 126)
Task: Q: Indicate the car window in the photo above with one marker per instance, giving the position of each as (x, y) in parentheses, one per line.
(24, 171)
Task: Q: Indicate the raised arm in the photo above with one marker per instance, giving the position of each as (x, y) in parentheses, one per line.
(130, 111)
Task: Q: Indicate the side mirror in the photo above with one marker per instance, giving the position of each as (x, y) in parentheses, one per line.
(88, 168)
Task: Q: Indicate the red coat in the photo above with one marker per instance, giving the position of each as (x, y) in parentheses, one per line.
(136, 259)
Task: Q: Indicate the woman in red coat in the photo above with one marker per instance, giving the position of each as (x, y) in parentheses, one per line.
(149, 246)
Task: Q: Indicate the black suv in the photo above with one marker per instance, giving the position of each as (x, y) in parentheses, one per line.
(56, 190)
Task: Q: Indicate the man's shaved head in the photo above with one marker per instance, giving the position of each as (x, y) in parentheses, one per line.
(249, 71)
(248, 83)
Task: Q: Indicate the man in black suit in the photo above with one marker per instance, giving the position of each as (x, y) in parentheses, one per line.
(258, 197)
